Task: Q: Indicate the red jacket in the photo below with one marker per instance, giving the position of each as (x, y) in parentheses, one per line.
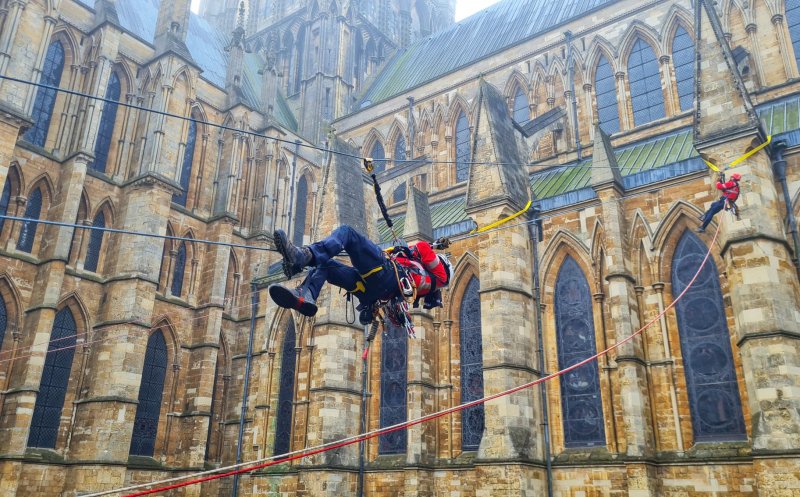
(730, 190)
(423, 266)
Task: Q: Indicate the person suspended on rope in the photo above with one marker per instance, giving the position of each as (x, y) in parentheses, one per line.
(730, 193)
(374, 276)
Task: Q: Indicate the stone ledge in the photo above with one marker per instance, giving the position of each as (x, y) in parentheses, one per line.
(505, 288)
(767, 335)
(336, 390)
(107, 398)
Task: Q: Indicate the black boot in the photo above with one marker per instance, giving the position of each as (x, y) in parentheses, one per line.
(299, 299)
(294, 258)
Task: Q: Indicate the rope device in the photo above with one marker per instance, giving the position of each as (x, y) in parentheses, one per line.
(178, 481)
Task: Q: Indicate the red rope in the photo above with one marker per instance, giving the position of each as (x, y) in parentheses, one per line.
(445, 412)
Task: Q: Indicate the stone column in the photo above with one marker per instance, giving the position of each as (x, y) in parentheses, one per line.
(784, 44)
(104, 415)
(626, 122)
(512, 422)
(671, 102)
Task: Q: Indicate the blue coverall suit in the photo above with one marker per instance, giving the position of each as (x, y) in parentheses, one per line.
(365, 256)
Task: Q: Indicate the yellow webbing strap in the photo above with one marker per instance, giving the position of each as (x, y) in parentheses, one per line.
(743, 157)
(371, 272)
(504, 220)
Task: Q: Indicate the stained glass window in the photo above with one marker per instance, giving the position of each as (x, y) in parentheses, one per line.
(399, 193)
(683, 60)
(711, 381)
(180, 269)
(521, 110)
(151, 389)
(28, 231)
(3, 320)
(283, 424)
(469, 318)
(378, 155)
(186, 168)
(793, 23)
(606, 89)
(95, 243)
(580, 388)
(647, 98)
(5, 200)
(299, 228)
(106, 129)
(46, 97)
(400, 148)
(53, 386)
(394, 374)
(463, 152)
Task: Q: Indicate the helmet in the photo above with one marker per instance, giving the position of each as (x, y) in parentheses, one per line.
(736, 176)
(448, 268)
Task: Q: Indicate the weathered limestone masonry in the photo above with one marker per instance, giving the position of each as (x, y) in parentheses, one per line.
(764, 290)
(335, 386)
(511, 441)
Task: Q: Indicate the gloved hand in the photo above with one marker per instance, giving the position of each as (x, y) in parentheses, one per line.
(722, 177)
(442, 243)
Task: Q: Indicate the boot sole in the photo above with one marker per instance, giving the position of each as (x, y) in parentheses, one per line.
(284, 297)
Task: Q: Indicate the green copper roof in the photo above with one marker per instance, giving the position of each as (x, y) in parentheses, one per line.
(632, 159)
(496, 28)
(443, 214)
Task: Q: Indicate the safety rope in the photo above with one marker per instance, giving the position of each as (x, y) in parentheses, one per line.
(171, 483)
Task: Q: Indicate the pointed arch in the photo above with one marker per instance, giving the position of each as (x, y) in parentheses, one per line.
(598, 244)
(639, 30)
(393, 389)
(151, 393)
(514, 80)
(45, 100)
(471, 364)
(232, 280)
(462, 141)
(520, 103)
(600, 47)
(286, 390)
(605, 84)
(678, 36)
(39, 199)
(679, 211)
(108, 119)
(9, 309)
(11, 189)
(179, 269)
(644, 80)
(564, 242)
(458, 106)
(302, 220)
(185, 171)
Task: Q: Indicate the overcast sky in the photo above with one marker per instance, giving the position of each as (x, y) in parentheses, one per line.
(464, 8)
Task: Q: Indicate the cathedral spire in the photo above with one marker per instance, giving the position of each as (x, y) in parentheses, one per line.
(236, 50)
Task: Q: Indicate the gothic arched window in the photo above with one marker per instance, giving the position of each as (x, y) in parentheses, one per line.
(28, 231)
(106, 129)
(647, 98)
(283, 424)
(580, 388)
(683, 60)
(793, 23)
(399, 193)
(399, 149)
(378, 157)
(151, 389)
(522, 111)
(301, 206)
(53, 386)
(180, 269)
(3, 320)
(186, 168)
(711, 381)
(463, 152)
(394, 374)
(469, 318)
(95, 243)
(5, 200)
(606, 90)
(46, 97)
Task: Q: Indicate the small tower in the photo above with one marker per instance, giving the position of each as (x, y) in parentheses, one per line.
(171, 27)
(236, 50)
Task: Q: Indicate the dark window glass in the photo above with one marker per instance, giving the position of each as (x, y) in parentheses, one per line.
(28, 231)
(399, 193)
(283, 425)
(580, 388)
(95, 243)
(606, 89)
(3, 320)
(55, 377)
(180, 269)
(106, 129)
(46, 97)
(5, 200)
(521, 110)
(469, 318)
(683, 60)
(378, 156)
(145, 426)
(463, 152)
(300, 211)
(186, 168)
(394, 373)
(711, 381)
(647, 98)
(400, 149)
(793, 23)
